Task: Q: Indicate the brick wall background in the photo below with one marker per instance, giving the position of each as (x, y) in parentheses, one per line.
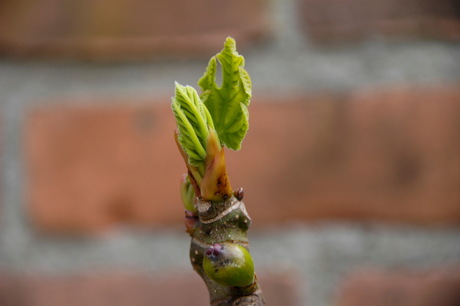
(351, 167)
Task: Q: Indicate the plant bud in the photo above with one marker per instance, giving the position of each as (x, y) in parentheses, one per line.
(187, 194)
(229, 264)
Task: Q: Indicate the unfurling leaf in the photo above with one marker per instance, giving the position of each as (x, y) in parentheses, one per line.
(227, 104)
(193, 121)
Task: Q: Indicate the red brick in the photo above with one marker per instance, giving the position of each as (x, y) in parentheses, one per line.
(126, 288)
(338, 20)
(387, 155)
(127, 29)
(2, 152)
(402, 288)
(92, 167)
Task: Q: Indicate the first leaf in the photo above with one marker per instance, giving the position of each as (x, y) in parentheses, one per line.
(228, 103)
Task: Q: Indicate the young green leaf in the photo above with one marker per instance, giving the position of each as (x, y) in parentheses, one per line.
(228, 103)
(193, 121)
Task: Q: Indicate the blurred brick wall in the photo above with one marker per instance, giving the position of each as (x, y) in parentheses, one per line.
(125, 29)
(389, 155)
(380, 155)
(336, 20)
(435, 287)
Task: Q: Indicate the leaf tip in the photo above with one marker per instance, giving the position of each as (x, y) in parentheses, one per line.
(230, 41)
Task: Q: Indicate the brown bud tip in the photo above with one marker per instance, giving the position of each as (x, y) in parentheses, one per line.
(190, 214)
(239, 194)
(191, 221)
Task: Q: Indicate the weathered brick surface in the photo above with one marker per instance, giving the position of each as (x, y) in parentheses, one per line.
(383, 155)
(338, 20)
(2, 148)
(91, 167)
(122, 289)
(124, 29)
(402, 288)
(389, 155)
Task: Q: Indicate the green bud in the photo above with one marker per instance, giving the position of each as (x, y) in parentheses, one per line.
(229, 264)
(187, 194)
